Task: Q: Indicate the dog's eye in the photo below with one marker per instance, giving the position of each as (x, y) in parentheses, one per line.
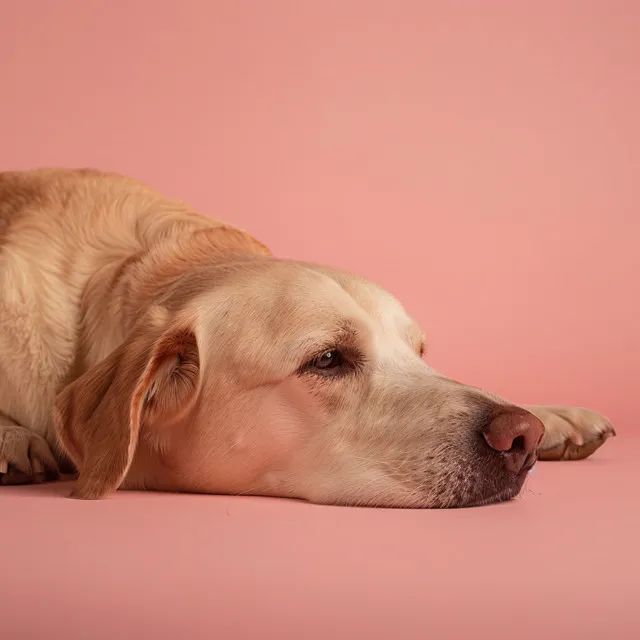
(329, 360)
(333, 363)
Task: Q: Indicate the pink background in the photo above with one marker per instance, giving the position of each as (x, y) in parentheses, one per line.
(481, 160)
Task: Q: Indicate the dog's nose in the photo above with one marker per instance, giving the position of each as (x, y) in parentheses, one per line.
(517, 435)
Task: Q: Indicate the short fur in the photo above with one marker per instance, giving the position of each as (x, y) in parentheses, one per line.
(146, 346)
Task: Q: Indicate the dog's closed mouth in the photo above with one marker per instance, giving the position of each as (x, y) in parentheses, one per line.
(151, 346)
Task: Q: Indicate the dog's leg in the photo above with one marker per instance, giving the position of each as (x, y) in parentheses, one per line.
(571, 433)
(25, 456)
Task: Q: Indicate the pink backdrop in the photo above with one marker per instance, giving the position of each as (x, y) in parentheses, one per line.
(480, 159)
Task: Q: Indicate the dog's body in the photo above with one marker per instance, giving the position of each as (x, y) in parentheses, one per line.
(147, 346)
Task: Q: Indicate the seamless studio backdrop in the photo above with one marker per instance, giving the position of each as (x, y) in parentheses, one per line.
(480, 160)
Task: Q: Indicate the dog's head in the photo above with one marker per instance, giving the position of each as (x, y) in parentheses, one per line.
(280, 378)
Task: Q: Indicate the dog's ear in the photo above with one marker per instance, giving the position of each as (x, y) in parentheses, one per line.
(148, 382)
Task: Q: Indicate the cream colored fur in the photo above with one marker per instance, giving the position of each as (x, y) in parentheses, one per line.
(144, 345)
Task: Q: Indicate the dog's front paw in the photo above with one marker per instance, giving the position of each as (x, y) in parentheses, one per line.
(571, 433)
(25, 457)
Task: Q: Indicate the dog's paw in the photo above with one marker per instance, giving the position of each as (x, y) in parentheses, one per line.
(572, 433)
(25, 457)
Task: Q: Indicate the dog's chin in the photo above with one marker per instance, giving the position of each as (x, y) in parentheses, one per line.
(501, 496)
(508, 489)
(504, 494)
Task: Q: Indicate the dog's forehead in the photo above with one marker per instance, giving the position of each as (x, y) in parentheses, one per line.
(384, 310)
(295, 295)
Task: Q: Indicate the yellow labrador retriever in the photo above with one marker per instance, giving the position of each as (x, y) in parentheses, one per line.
(146, 346)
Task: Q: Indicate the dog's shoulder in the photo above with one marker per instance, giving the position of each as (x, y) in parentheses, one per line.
(25, 195)
(83, 202)
(19, 191)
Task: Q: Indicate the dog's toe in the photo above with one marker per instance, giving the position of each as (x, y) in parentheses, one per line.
(25, 457)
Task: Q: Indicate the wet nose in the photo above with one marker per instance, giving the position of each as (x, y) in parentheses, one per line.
(517, 435)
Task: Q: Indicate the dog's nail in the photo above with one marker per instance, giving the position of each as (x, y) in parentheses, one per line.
(607, 433)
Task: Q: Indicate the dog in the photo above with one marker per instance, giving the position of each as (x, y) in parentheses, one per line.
(146, 346)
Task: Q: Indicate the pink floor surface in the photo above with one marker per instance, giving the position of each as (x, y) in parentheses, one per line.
(561, 561)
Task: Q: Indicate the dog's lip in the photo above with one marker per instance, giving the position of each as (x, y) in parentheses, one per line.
(508, 492)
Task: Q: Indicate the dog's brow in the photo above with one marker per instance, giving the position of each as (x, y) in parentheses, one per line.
(343, 334)
(347, 330)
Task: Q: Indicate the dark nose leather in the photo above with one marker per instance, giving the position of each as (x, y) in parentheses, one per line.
(516, 434)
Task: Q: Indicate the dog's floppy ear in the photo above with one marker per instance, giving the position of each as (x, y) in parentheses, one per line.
(150, 381)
